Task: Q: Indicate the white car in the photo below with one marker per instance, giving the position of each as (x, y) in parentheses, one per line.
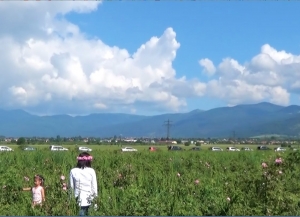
(84, 149)
(216, 149)
(58, 148)
(128, 149)
(232, 149)
(247, 149)
(5, 148)
(280, 149)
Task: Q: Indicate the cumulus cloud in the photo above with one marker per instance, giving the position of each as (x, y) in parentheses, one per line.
(208, 66)
(32, 19)
(49, 66)
(270, 76)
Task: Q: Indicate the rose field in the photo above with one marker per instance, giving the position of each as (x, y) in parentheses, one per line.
(158, 183)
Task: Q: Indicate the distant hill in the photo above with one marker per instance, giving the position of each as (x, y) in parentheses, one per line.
(246, 120)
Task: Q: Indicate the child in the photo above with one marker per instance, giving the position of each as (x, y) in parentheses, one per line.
(83, 182)
(38, 192)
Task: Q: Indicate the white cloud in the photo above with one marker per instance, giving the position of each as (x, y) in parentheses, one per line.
(49, 66)
(29, 18)
(238, 91)
(270, 76)
(208, 66)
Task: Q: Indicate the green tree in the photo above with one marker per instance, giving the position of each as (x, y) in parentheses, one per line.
(58, 139)
(187, 143)
(21, 141)
(198, 144)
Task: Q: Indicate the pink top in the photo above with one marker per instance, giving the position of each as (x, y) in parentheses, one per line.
(37, 194)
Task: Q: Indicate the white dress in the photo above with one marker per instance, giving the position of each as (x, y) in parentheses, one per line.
(83, 182)
(37, 194)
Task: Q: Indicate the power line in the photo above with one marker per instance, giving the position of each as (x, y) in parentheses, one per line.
(168, 124)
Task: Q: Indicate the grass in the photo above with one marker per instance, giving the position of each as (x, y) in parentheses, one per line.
(158, 183)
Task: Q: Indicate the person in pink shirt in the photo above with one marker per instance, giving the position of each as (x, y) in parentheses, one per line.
(38, 192)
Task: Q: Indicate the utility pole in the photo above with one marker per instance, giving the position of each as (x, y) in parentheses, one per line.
(234, 137)
(168, 124)
(298, 142)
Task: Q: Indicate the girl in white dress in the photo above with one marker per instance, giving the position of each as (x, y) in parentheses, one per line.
(83, 182)
(38, 192)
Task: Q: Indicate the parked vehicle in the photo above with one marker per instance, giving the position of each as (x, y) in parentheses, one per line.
(246, 149)
(29, 149)
(215, 149)
(175, 148)
(263, 148)
(57, 148)
(84, 149)
(5, 148)
(195, 149)
(279, 149)
(128, 149)
(232, 149)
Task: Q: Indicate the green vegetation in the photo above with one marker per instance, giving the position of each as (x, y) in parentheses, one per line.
(21, 141)
(158, 183)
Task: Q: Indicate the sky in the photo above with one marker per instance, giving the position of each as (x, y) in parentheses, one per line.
(147, 57)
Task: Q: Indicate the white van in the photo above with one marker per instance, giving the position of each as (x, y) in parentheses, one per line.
(279, 149)
(57, 148)
(232, 149)
(5, 148)
(215, 149)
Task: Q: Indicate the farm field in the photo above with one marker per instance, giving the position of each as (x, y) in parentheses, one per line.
(159, 183)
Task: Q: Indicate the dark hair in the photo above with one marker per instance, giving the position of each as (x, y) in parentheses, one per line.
(84, 163)
(41, 178)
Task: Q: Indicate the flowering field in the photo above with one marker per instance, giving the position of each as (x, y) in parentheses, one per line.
(159, 183)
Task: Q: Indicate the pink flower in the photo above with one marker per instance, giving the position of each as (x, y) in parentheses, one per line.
(64, 188)
(178, 174)
(278, 161)
(62, 177)
(228, 198)
(264, 165)
(196, 181)
(86, 158)
(64, 184)
(26, 178)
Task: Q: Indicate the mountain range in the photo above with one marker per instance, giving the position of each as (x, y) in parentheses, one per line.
(245, 120)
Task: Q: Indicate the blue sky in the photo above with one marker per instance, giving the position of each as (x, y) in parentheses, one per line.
(213, 30)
